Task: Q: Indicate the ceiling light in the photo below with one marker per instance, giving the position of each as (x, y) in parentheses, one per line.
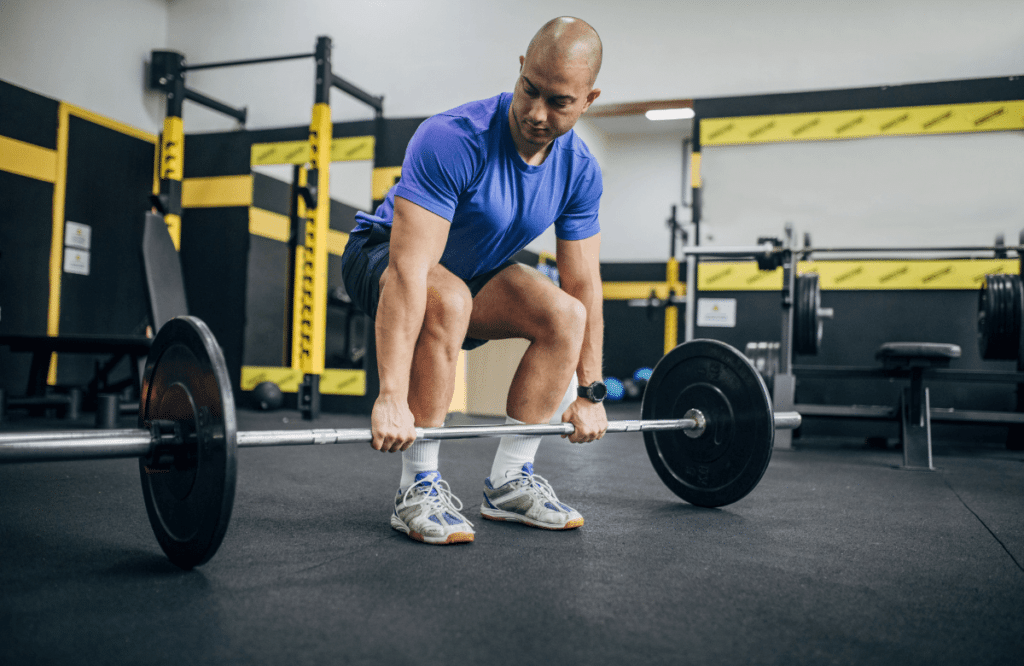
(669, 114)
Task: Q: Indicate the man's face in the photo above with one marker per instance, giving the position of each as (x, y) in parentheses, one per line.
(549, 98)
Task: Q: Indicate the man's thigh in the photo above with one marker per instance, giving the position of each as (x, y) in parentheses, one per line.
(513, 304)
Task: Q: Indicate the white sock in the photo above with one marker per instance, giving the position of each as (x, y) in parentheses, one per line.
(420, 457)
(514, 451)
(567, 399)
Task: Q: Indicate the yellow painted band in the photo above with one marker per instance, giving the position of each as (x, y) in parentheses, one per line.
(25, 159)
(312, 270)
(343, 382)
(336, 241)
(671, 328)
(287, 379)
(109, 123)
(296, 357)
(672, 270)
(624, 291)
(695, 179)
(216, 192)
(343, 149)
(877, 275)
(384, 178)
(856, 124)
(269, 225)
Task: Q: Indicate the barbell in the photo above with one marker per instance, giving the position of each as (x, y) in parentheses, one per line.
(707, 422)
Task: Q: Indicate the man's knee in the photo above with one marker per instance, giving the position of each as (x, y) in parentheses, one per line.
(448, 312)
(565, 321)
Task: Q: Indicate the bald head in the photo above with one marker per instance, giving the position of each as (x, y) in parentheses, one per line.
(568, 41)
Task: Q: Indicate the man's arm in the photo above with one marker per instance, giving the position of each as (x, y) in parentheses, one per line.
(418, 239)
(579, 271)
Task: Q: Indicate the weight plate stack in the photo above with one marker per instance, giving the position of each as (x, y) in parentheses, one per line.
(807, 324)
(999, 317)
(766, 357)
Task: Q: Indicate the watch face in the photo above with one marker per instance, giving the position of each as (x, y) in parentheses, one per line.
(599, 391)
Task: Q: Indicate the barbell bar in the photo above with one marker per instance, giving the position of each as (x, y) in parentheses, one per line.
(707, 422)
(138, 442)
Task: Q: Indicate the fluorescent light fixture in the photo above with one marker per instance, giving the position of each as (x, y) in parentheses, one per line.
(669, 114)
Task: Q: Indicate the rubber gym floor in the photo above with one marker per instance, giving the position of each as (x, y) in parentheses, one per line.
(837, 557)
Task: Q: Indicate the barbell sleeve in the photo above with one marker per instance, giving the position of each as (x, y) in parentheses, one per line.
(36, 447)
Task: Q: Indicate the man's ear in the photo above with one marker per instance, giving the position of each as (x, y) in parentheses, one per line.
(594, 94)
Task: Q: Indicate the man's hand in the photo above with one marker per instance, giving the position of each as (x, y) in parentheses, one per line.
(393, 425)
(588, 418)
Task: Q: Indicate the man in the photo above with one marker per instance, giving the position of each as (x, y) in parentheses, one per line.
(433, 268)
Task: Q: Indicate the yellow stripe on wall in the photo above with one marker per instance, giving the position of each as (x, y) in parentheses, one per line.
(343, 382)
(878, 275)
(216, 192)
(858, 124)
(336, 241)
(109, 123)
(624, 291)
(269, 225)
(332, 381)
(25, 159)
(287, 379)
(383, 180)
(343, 149)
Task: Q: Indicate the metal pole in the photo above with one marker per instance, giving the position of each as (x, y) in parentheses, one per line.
(134, 443)
(765, 249)
(251, 61)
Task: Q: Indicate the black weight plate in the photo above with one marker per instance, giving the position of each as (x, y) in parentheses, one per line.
(799, 316)
(727, 461)
(189, 501)
(819, 328)
(999, 317)
(807, 325)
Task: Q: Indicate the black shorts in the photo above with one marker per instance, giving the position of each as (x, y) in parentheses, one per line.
(363, 262)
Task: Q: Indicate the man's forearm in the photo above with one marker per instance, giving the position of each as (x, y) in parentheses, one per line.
(590, 368)
(399, 319)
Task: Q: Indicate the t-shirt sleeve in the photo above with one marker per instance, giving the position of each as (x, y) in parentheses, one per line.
(579, 220)
(439, 165)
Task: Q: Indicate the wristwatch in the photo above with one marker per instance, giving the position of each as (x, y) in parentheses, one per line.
(596, 392)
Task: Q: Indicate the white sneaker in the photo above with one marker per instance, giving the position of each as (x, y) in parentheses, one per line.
(428, 512)
(527, 498)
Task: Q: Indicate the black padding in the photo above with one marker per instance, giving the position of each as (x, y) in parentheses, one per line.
(930, 350)
(164, 283)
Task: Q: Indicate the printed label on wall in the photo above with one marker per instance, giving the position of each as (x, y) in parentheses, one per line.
(76, 261)
(77, 235)
(716, 312)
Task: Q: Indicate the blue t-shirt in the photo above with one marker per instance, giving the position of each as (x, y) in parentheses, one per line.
(463, 165)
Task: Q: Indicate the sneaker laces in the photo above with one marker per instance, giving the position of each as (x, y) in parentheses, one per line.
(542, 486)
(437, 495)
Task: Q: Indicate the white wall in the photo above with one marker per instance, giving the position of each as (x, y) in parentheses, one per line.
(888, 191)
(90, 54)
(427, 55)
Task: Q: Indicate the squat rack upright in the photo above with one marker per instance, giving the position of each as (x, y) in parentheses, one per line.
(167, 73)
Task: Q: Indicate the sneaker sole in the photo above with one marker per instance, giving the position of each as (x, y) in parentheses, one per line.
(509, 517)
(454, 537)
